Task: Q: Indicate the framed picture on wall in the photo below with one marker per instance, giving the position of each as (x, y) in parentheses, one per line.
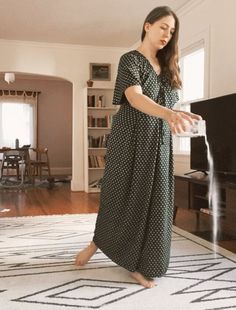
(100, 72)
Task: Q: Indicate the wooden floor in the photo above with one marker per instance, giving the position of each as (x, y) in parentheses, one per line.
(60, 200)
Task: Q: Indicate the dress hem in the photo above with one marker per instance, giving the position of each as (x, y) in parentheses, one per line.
(158, 275)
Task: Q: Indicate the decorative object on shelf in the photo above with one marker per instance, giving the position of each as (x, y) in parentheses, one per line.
(17, 145)
(96, 101)
(90, 83)
(100, 102)
(100, 72)
(9, 77)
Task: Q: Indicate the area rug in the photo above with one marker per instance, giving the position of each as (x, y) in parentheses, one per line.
(37, 271)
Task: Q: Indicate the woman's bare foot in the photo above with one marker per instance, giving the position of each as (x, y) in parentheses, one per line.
(84, 256)
(148, 283)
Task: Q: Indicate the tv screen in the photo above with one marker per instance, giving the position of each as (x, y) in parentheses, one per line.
(220, 116)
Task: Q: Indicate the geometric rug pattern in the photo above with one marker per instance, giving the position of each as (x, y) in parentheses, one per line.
(37, 271)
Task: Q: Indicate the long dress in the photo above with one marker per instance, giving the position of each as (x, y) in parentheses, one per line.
(134, 222)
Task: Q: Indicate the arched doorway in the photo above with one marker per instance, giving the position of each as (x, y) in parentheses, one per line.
(54, 116)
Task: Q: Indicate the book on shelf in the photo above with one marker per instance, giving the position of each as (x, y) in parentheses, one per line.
(98, 142)
(96, 161)
(96, 101)
(91, 100)
(100, 160)
(109, 120)
(100, 121)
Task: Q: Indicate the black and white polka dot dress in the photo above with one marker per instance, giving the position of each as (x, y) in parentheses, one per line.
(134, 222)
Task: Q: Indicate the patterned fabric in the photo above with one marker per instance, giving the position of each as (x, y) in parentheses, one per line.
(134, 222)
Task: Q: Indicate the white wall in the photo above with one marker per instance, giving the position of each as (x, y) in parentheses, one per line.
(213, 20)
(68, 62)
(217, 17)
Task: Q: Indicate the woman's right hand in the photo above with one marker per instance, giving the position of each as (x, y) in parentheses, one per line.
(178, 121)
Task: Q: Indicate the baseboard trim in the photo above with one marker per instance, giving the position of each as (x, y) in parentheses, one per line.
(61, 170)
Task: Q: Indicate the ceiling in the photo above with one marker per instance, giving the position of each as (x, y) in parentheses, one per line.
(114, 23)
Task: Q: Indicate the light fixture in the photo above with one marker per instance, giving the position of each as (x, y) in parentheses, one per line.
(9, 77)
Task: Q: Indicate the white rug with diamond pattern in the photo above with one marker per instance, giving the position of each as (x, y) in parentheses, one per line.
(37, 271)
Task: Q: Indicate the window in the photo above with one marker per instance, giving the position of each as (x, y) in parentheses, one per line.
(17, 121)
(192, 74)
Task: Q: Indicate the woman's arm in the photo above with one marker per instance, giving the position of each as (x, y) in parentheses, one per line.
(175, 119)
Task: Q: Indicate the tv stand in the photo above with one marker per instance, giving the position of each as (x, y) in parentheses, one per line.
(191, 193)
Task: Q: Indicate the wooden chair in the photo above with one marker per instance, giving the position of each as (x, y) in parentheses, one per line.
(40, 163)
(13, 160)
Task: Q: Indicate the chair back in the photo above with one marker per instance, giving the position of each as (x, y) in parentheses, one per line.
(13, 156)
(40, 154)
(13, 160)
(40, 162)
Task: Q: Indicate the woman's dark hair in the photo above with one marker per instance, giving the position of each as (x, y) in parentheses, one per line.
(168, 56)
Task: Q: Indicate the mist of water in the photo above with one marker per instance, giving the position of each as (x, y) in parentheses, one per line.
(213, 195)
(198, 128)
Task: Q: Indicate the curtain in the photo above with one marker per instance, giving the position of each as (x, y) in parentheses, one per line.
(18, 118)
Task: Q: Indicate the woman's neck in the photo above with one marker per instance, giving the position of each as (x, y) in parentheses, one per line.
(151, 55)
(149, 52)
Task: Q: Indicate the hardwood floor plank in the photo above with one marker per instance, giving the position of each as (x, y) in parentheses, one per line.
(61, 200)
(44, 201)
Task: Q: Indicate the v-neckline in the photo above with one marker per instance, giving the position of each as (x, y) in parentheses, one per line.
(158, 74)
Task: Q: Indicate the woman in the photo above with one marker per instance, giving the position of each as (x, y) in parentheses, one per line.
(136, 208)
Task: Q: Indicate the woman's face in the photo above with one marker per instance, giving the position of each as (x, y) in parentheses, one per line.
(160, 32)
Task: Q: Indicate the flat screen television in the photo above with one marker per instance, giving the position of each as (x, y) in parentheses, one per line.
(220, 116)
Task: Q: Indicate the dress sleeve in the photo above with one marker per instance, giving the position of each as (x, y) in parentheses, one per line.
(175, 96)
(128, 75)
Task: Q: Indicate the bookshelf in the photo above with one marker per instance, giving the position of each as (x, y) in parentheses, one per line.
(98, 115)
